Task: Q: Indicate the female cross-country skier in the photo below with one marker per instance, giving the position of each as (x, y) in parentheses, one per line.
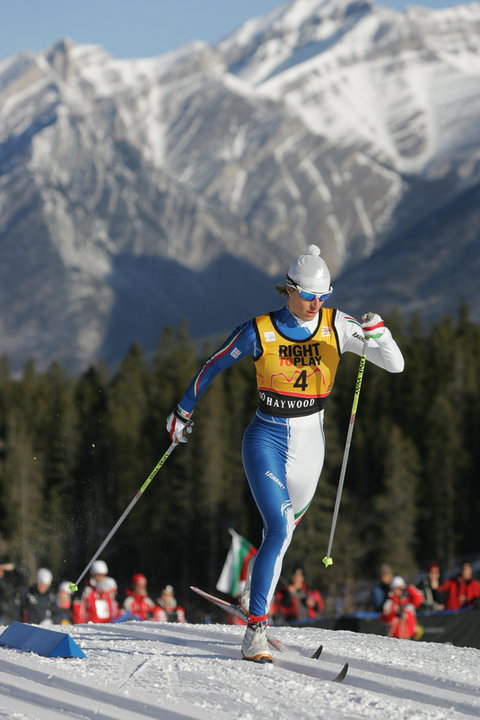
(296, 351)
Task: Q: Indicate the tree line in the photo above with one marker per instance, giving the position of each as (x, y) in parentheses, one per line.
(75, 450)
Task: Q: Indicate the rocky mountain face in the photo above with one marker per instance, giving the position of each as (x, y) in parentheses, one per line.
(134, 193)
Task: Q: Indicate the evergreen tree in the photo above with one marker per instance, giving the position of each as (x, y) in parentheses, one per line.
(92, 515)
(22, 492)
(57, 439)
(126, 463)
(170, 513)
(444, 467)
(396, 506)
(74, 451)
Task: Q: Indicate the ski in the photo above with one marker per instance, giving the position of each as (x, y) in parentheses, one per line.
(238, 612)
(342, 674)
(310, 671)
(228, 607)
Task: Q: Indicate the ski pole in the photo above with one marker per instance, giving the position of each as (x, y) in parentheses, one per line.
(73, 587)
(328, 560)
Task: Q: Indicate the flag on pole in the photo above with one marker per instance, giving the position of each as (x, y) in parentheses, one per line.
(234, 572)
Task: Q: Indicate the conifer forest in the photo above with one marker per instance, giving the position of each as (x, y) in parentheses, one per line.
(74, 451)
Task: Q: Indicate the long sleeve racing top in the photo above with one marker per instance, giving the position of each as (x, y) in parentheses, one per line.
(244, 340)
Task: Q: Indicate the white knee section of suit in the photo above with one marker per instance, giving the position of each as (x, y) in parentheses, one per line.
(304, 461)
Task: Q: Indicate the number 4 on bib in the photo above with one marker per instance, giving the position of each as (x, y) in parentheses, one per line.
(301, 381)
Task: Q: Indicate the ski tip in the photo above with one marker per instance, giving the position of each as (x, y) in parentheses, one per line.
(342, 674)
(317, 652)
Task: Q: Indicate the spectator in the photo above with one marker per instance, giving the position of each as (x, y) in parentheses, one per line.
(166, 609)
(296, 601)
(98, 602)
(380, 591)
(64, 602)
(399, 609)
(109, 585)
(462, 591)
(137, 602)
(7, 593)
(434, 598)
(38, 605)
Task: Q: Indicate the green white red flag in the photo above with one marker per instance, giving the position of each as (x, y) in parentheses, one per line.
(234, 572)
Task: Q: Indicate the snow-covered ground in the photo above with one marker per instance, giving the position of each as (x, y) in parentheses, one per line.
(151, 670)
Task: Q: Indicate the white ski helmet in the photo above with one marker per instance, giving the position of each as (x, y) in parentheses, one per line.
(44, 576)
(108, 584)
(310, 272)
(99, 567)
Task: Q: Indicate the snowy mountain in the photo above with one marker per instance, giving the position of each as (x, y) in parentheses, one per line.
(208, 168)
(169, 671)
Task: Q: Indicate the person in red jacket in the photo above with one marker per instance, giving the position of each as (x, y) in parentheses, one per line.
(98, 603)
(166, 609)
(137, 602)
(296, 601)
(399, 609)
(462, 591)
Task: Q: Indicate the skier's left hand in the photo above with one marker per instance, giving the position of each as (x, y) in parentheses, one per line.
(178, 425)
(372, 326)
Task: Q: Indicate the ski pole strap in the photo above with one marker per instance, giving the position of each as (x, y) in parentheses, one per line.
(183, 415)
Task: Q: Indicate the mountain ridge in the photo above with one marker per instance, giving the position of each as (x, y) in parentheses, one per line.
(352, 145)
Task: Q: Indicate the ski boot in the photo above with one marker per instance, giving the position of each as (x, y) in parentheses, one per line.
(255, 643)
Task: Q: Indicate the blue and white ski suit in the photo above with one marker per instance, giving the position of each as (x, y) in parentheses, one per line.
(283, 455)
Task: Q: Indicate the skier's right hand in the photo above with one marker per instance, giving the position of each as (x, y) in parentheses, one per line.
(372, 326)
(178, 425)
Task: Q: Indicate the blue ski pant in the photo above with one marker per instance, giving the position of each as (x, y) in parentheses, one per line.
(283, 459)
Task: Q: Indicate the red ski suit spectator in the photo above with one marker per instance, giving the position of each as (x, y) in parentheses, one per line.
(137, 602)
(296, 601)
(98, 603)
(97, 606)
(141, 606)
(290, 609)
(399, 609)
(462, 590)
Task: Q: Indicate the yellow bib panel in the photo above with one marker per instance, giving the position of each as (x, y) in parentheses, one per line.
(295, 377)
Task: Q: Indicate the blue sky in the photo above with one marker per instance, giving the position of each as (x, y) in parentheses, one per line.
(135, 28)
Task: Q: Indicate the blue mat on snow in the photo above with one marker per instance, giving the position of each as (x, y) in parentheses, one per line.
(33, 638)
